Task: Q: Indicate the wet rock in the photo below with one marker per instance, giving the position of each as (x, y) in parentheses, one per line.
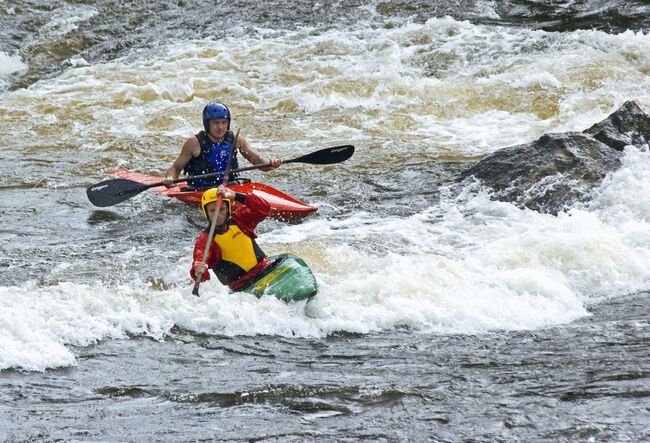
(629, 125)
(558, 170)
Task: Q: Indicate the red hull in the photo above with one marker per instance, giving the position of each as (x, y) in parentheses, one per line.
(283, 206)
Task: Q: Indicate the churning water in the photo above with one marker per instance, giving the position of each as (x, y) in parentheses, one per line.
(440, 316)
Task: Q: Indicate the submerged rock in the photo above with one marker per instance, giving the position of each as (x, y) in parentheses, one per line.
(558, 170)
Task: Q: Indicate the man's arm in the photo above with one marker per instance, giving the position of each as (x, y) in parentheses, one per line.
(191, 149)
(254, 157)
(197, 263)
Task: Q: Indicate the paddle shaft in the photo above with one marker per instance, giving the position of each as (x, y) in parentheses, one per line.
(321, 157)
(111, 192)
(213, 223)
(210, 175)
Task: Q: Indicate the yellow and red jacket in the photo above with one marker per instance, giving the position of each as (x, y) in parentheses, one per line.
(234, 255)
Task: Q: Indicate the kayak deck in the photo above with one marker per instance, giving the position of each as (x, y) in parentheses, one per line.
(287, 278)
(283, 206)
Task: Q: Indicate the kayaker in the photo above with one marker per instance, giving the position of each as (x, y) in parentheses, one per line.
(208, 151)
(234, 256)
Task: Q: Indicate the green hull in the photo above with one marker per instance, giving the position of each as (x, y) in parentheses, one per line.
(287, 278)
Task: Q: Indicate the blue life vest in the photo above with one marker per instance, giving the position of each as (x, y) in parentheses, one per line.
(213, 158)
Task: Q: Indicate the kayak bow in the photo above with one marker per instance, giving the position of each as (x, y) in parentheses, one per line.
(287, 278)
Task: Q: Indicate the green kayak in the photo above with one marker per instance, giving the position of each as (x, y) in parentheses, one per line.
(288, 278)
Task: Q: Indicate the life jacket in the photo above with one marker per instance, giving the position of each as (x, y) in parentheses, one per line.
(239, 254)
(212, 158)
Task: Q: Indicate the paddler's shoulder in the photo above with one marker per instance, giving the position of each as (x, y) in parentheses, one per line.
(192, 146)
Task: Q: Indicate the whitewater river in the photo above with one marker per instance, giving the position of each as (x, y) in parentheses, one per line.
(441, 315)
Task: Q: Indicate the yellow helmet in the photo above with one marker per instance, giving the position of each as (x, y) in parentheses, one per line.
(210, 196)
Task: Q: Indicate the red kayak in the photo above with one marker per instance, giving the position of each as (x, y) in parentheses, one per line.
(283, 206)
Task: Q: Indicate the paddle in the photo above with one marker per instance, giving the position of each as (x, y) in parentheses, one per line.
(112, 192)
(213, 223)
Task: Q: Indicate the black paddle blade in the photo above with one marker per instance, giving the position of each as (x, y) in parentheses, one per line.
(112, 192)
(326, 156)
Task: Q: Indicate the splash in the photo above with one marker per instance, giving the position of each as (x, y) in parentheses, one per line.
(9, 64)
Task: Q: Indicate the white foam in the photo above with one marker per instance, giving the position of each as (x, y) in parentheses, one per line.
(468, 265)
(463, 89)
(542, 79)
(66, 19)
(486, 8)
(10, 64)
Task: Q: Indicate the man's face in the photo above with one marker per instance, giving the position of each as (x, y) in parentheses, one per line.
(218, 127)
(222, 215)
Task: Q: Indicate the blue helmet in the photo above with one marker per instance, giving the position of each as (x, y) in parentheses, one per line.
(214, 111)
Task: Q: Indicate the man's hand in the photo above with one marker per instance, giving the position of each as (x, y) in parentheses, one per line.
(275, 162)
(200, 267)
(226, 193)
(168, 181)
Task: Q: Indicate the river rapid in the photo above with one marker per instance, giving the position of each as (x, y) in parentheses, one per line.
(441, 315)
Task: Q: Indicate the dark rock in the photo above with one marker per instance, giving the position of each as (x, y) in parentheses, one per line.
(629, 125)
(558, 170)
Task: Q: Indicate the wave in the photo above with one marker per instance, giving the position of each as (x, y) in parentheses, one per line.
(55, 38)
(469, 265)
(439, 88)
(9, 65)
